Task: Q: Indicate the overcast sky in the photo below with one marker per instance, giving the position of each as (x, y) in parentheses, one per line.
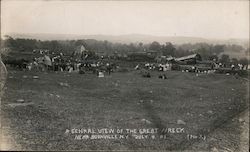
(208, 19)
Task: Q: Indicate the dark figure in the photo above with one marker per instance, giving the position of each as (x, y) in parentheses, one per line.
(163, 76)
(109, 69)
(146, 75)
(97, 72)
(212, 66)
(81, 69)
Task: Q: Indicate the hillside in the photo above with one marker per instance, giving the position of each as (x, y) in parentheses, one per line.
(133, 38)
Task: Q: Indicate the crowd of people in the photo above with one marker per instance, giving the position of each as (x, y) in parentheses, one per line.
(233, 66)
(155, 66)
(61, 62)
(46, 61)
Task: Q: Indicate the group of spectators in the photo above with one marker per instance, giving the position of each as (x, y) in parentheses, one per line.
(61, 62)
(151, 66)
(233, 66)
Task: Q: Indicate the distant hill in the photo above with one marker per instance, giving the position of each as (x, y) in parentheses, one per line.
(133, 38)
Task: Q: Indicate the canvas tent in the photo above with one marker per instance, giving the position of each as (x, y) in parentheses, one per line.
(80, 49)
(47, 60)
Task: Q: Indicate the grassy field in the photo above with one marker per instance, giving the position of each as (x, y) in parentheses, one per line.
(58, 101)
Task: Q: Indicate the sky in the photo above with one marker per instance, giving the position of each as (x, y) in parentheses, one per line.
(207, 19)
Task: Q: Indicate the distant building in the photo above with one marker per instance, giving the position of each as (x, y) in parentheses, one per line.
(152, 53)
(164, 59)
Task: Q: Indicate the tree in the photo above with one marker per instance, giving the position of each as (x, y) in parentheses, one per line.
(204, 52)
(233, 48)
(169, 49)
(9, 42)
(224, 58)
(140, 44)
(80, 42)
(244, 61)
(155, 46)
(213, 57)
(217, 49)
(234, 61)
(247, 52)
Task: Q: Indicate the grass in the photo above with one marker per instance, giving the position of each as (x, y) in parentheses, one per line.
(121, 100)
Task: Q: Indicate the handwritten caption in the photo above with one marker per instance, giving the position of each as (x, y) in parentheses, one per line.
(120, 133)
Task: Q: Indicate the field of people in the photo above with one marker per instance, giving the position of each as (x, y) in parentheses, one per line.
(40, 109)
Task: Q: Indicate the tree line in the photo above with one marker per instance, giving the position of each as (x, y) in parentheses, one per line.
(207, 51)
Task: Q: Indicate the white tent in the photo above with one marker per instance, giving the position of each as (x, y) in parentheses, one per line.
(47, 60)
(80, 50)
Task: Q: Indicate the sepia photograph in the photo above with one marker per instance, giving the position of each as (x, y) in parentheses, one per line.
(124, 75)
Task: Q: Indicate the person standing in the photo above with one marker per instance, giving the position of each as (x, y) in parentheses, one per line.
(232, 67)
(108, 68)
